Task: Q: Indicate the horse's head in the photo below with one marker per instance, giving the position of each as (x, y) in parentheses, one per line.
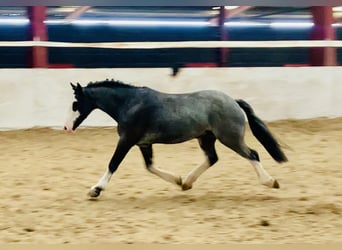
(80, 108)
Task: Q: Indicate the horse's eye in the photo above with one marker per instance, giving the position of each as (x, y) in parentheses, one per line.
(74, 106)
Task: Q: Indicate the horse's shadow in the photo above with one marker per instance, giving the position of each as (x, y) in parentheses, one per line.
(187, 199)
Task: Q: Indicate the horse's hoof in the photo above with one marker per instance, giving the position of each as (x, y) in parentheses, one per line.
(276, 184)
(186, 187)
(179, 181)
(94, 192)
(273, 183)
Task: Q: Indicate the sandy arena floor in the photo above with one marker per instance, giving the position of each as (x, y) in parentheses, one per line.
(45, 175)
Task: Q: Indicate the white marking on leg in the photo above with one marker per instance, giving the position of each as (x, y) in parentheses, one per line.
(264, 177)
(103, 182)
(71, 118)
(166, 175)
(194, 174)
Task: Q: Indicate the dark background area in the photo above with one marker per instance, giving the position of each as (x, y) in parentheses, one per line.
(17, 57)
(11, 57)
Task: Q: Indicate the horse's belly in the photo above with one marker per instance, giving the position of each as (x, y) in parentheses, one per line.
(172, 134)
(151, 139)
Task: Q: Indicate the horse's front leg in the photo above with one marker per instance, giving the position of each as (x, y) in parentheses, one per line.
(120, 152)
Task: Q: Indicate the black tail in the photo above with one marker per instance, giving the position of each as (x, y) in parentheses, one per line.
(262, 133)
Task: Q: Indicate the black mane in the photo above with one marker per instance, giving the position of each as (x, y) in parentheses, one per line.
(109, 84)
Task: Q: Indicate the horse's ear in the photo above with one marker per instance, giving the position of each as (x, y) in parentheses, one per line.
(73, 86)
(77, 89)
(78, 86)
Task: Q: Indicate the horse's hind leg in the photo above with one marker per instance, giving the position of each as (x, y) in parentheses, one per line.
(147, 153)
(264, 177)
(241, 148)
(207, 144)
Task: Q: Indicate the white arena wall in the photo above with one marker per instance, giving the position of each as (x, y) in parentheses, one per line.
(40, 97)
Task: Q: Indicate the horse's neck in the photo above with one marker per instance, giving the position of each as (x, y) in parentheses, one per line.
(113, 101)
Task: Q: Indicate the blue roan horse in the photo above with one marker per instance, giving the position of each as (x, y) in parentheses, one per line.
(146, 116)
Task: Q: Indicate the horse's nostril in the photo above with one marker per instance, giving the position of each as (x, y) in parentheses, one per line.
(65, 128)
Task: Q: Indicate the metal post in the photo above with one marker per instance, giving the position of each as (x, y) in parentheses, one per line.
(223, 52)
(38, 56)
(323, 30)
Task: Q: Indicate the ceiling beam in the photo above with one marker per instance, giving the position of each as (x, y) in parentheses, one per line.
(229, 14)
(77, 13)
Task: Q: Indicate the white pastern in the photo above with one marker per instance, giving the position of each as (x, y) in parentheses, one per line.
(103, 182)
(195, 173)
(71, 118)
(264, 177)
(165, 175)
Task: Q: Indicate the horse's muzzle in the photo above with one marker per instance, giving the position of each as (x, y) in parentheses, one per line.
(69, 130)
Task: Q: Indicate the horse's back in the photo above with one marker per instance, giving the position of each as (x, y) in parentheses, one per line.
(209, 107)
(223, 111)
(180, 117)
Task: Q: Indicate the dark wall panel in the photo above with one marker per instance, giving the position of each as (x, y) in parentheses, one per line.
(83, 57)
